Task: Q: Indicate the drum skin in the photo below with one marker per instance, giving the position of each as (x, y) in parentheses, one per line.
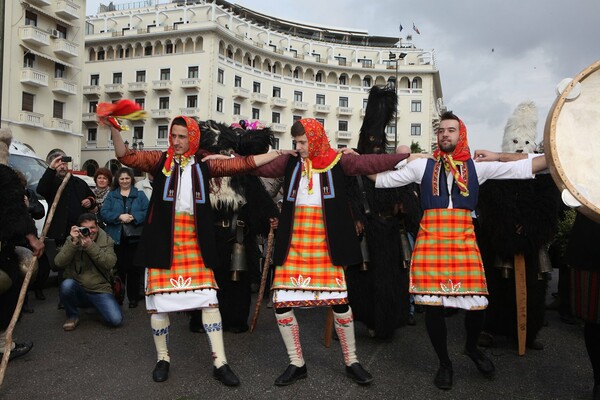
(572, 140)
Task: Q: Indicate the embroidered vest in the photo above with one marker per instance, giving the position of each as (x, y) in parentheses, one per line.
(434, 187)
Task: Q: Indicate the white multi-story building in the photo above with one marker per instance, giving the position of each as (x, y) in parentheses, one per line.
(42, 62)
(216, 60)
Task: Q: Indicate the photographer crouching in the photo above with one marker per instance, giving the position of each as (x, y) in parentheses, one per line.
(88, 259)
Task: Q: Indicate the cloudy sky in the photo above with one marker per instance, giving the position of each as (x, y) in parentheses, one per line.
(491, 54)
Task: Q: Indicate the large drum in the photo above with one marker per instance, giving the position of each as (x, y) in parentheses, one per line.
(572, 141)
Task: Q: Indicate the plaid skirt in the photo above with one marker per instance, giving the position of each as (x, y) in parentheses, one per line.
(308, 277)
(188, 284)
(585, 295)
(446, 259)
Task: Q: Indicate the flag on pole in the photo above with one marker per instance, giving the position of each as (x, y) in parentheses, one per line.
(401, 28)
(416, 29)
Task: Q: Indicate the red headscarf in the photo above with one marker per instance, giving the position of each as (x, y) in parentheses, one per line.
(320, 154)
(194, 137)
(460, 154)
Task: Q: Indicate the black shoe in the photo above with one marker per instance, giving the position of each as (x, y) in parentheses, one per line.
(133, 304)
(238, 329)
(225, 375)
(20, 350)
(358, 374)
(291, 375)
(411, 320)
(161, 371)
(483, 364)
(39, 294)
(443, 378)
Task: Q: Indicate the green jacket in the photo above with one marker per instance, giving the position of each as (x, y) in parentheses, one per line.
(84, 265)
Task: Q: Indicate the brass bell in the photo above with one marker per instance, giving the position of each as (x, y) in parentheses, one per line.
(238, 261)
(25, 256)
(505, 267)
(545, 266)
(405, 248)
(364, 250)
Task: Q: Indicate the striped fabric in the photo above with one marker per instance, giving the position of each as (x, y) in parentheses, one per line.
(308, 265)
(188, 271)
(585, 294)
(446, 259)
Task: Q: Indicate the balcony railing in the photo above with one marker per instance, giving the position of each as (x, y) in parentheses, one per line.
(275, 127)
(345, 110)
(88, 117)
(33, 35)
(190, 111)
(34, 77)
(259, 97)
(165, 84)
(61, 125)
(63, 86)
(31, 118)
(91, 90)
(63, 47)
(67, 9)
(345, 135)
(237, 118)
(322, 108)
(162, 113)
(241, 93)
(137, 87)
(279, 102)
(300, 105)
(40, 3)
(114, 88)
(190, 83)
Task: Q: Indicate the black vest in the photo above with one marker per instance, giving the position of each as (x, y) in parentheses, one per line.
(429, 200)
(156, 243)
(343, 245)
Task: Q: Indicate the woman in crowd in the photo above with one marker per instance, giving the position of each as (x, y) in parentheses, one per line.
(125, 206)
(103, 178)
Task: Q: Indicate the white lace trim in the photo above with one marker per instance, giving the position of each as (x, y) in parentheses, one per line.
(464, 302)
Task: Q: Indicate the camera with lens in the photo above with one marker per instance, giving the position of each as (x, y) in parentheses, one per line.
(66, 159)
(85, 231)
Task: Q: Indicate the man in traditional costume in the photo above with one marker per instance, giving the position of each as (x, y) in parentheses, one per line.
(178, 244)
(316, 239)
(446, 269)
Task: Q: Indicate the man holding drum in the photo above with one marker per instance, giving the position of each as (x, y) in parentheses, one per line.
(446, 269)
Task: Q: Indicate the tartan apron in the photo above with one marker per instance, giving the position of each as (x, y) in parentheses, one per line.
(308, 277)
(446, 259)
(187, 272)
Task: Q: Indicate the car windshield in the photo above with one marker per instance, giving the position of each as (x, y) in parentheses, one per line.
(33, 168)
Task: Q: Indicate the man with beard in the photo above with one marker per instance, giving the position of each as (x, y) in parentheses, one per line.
(446, 269)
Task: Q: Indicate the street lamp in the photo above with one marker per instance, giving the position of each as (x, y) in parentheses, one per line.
(396, 59)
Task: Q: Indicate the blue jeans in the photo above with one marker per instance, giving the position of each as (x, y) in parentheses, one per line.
(73, 296)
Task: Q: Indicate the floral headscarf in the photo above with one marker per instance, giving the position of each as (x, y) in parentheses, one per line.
(194, 137)
(321, 156)
(460, 154)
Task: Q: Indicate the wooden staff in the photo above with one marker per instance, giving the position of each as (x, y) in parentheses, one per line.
(521, 297)
(263, 278)
(15, 317)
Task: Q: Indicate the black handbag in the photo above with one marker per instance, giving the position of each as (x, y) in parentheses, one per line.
(132, 231)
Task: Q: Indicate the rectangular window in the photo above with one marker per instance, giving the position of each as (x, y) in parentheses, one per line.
(57, 109)
(117, 77)
(297, 96)
(59, 70)
(237, 81)
(366, 81)
(276, 118)
(138, 133)
(165, 74)
(220, 76)
(343, 102)
(163, 103)
(365, 102)
(28, 60)
(390, 129)
(321, 99)
(92, 133)
(321, 121)
(193, 71)
(95, 80)
(192, 101)
(276, 91)
(237, 109)
(140, 76)
(256, 87)
(101, 54)
(148, 50)
(343, 126)
(163, 132)
(169, 48)
(341, 146)
(415, 130)
(366, 63)
(276, 143)
(255, 113)
(141, 101)
(92, 106)
(219, 104)
(415, 106)
(297, 117)
(30, 18)
(27, 102)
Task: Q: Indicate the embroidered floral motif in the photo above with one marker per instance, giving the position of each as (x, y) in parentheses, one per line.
(340, 282)
(159, 332)
(450, 287)
(285, 321)
(212, 327)
(300, 281)
(181, 283)
(344, 321)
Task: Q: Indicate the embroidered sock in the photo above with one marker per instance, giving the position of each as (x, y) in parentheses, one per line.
(344, 327)
(290, 332)
(160, 331)
(213, 325)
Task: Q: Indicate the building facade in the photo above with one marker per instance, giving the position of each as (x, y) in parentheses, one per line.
(216, 60)
(42, 48)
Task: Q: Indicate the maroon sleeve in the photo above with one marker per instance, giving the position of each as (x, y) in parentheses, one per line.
(368, 164)
(273, 169)
(231, 166)
(143, 160)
